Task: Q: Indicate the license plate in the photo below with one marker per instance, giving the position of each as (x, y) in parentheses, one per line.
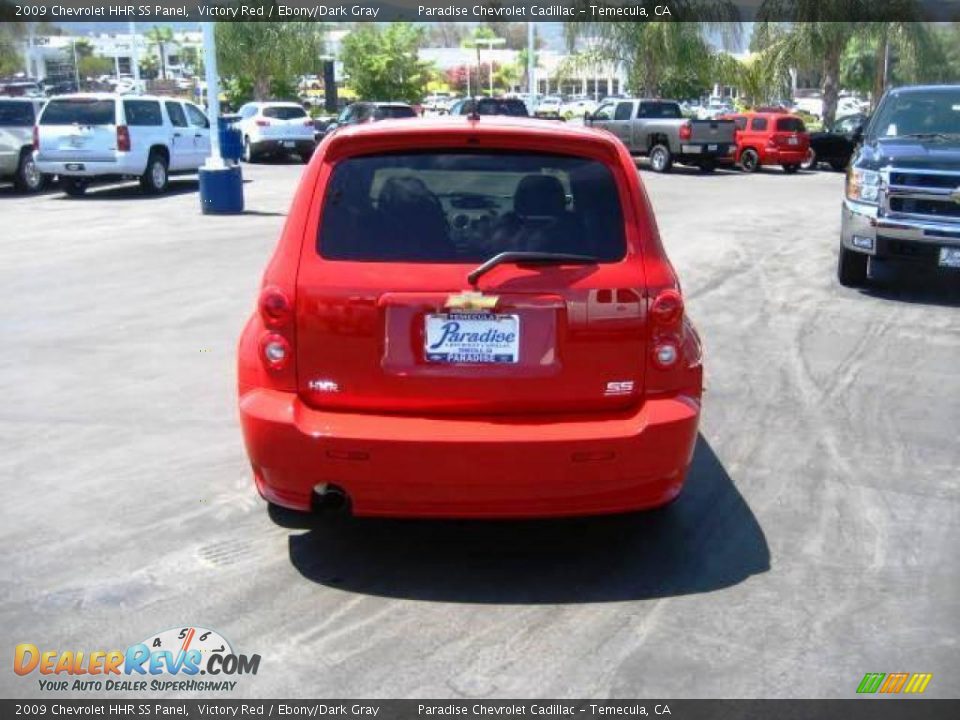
(950, 257)
(467, 338)
(712, 148)
(289, 143)
(793, 141)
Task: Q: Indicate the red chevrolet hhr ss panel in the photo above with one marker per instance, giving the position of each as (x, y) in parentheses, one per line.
(470, 318)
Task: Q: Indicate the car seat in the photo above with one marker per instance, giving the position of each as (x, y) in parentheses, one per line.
(413, 224)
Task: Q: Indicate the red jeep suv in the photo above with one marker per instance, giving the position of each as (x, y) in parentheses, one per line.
(770, 138)
(470, 317)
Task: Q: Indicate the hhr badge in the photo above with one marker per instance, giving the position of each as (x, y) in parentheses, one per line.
(325, 386)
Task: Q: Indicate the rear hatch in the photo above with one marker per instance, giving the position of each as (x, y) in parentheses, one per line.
(16, 130)
(387, 320)
(721, 132)
(286, 122)
(78, 128)
(791, 134)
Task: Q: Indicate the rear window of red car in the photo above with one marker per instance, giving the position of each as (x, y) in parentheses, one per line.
(469, 206)
(790, 124)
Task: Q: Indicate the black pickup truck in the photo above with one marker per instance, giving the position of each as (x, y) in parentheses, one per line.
(902, 199)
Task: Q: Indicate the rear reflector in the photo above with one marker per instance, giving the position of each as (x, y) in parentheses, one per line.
(665, 353)
(263, 123)
(275, 351)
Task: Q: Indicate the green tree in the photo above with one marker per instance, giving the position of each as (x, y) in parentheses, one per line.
(382, 63)
(651, 51)
(818, 33)
(162, 37)
(266, 55)
(758, 80)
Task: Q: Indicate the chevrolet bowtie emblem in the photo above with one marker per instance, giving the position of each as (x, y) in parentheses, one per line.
(470, 300)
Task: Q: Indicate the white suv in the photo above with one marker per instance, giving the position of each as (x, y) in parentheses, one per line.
(90, 136)
(270, 128)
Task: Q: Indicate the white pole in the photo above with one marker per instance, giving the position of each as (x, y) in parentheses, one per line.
(134, 57)
(214, 162)
(76, 69)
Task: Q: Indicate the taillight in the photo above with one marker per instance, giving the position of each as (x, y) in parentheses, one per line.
(667, 308)
(275, 307)
(123, 138)
(275, 350)
(674, 347)
(686, 131)
(263, 123)
(36, 138)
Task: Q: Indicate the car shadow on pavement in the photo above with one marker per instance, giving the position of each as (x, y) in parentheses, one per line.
(920, 288)
(127, 191)
(706, 540)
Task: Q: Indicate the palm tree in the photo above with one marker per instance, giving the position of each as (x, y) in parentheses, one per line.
(649, 50)
(161, 36)
(758, 79)
(911, 41)
(819, 32)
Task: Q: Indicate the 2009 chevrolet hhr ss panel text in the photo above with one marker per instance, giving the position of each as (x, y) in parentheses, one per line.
(470, 317)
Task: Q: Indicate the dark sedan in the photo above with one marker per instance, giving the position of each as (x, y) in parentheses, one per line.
(835, 146)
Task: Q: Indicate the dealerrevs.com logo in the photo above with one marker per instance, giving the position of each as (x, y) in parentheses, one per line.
(169, 661)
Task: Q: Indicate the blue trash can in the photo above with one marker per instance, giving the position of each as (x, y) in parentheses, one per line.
(231, 139)
(221, 190)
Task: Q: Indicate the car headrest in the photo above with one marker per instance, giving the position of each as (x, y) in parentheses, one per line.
(539, 195)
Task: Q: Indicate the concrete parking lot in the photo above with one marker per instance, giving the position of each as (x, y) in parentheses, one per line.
(816, 540)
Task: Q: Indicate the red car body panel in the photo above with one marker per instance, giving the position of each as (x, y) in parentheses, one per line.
(404, 437)
(758, 131)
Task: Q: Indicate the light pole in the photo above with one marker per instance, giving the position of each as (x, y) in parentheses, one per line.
(221, 187)
(532, 66)
(489, 42)
(134, 57)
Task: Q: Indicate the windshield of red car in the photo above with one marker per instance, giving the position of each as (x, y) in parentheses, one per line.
(469, 206)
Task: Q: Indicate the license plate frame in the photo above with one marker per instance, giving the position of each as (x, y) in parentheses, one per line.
(289, 144)
(949, 257)
(793, 141)
(461, 344)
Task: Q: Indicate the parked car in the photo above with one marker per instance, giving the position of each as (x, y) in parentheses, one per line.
(770, 137)
(359, 113)
(835, 145)
(276, 128)
(714, 108)
(658, 129)
(565, 381)
(514, 107)
(902, 202)
(578, 108)
(549, 107)
(17, 116)
(91, 136)
(438, 102)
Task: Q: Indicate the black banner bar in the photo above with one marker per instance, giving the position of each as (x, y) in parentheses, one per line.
(467, 10)
(874, 708)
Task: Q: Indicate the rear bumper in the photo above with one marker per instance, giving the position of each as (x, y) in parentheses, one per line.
(697, 152)
(275, 145)
(785, 157)
(479, 467)
(85, 168)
